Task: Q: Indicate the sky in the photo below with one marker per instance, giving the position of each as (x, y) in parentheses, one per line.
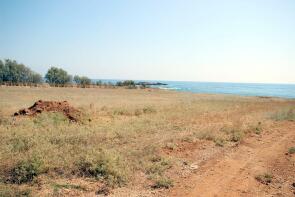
(187, 40)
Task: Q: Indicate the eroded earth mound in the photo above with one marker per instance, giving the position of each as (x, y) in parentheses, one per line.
(51, 106)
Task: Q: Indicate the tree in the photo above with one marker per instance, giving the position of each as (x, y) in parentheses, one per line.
(85, 80)
(11, 71)
(82, 80)
(1, 71)
(126, 83)
(57, 76)
(99, 83)
(36, 78)
(77, 79)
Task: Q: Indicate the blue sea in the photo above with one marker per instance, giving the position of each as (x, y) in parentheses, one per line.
(244, 89)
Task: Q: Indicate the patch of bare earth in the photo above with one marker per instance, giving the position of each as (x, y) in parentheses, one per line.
(232, 172)
(50, 106)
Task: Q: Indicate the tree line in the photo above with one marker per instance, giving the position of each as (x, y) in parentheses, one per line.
(14, 73)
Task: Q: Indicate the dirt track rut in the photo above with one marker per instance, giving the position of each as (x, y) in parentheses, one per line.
(233, 174)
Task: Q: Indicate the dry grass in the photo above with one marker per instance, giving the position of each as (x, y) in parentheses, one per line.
(287, 113)
(127, 131)
(265, 178)
(291, 150)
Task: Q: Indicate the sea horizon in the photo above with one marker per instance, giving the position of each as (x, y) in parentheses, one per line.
(281, 90)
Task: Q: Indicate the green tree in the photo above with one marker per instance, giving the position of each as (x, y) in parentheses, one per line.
(99, 83)
(77, 79)
(85, 80)
(36, 78)
(11, 71)
(57, 76)
(1, 71)
(82, 80)
(125, 83)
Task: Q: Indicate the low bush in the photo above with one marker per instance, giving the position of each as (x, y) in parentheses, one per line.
(291, 150)
(108, 167)
(128, 83)
(162, 182)
(25, 171)
(258, 128)
(158, 166)
(236, 135)
(219, 142)
(264, 178)
(20, 144)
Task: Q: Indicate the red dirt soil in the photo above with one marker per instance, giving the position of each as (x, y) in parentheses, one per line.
(51, 106)
(233, 172)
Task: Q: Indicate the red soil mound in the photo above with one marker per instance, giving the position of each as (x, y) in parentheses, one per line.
(51, 106)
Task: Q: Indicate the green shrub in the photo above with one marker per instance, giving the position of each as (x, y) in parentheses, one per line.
(19, 144)
(108, 167)
(264, 178)
(158, 166)
(128, 83)
(25, 171)
(18, 74)
(258, 128)
(83, 81)
(162, 182)
(57, 76)
(236, 135)
(219, 142)
(291, 150)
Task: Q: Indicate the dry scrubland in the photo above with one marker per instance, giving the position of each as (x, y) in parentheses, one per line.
(129, 142)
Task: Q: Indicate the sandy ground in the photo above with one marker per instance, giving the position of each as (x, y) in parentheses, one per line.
(233, 173)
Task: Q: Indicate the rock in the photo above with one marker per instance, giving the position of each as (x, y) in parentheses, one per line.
(194, 166)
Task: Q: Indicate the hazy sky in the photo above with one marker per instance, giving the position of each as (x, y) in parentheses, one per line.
(220, 40)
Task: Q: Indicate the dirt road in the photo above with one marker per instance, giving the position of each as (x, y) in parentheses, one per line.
(233, 174)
